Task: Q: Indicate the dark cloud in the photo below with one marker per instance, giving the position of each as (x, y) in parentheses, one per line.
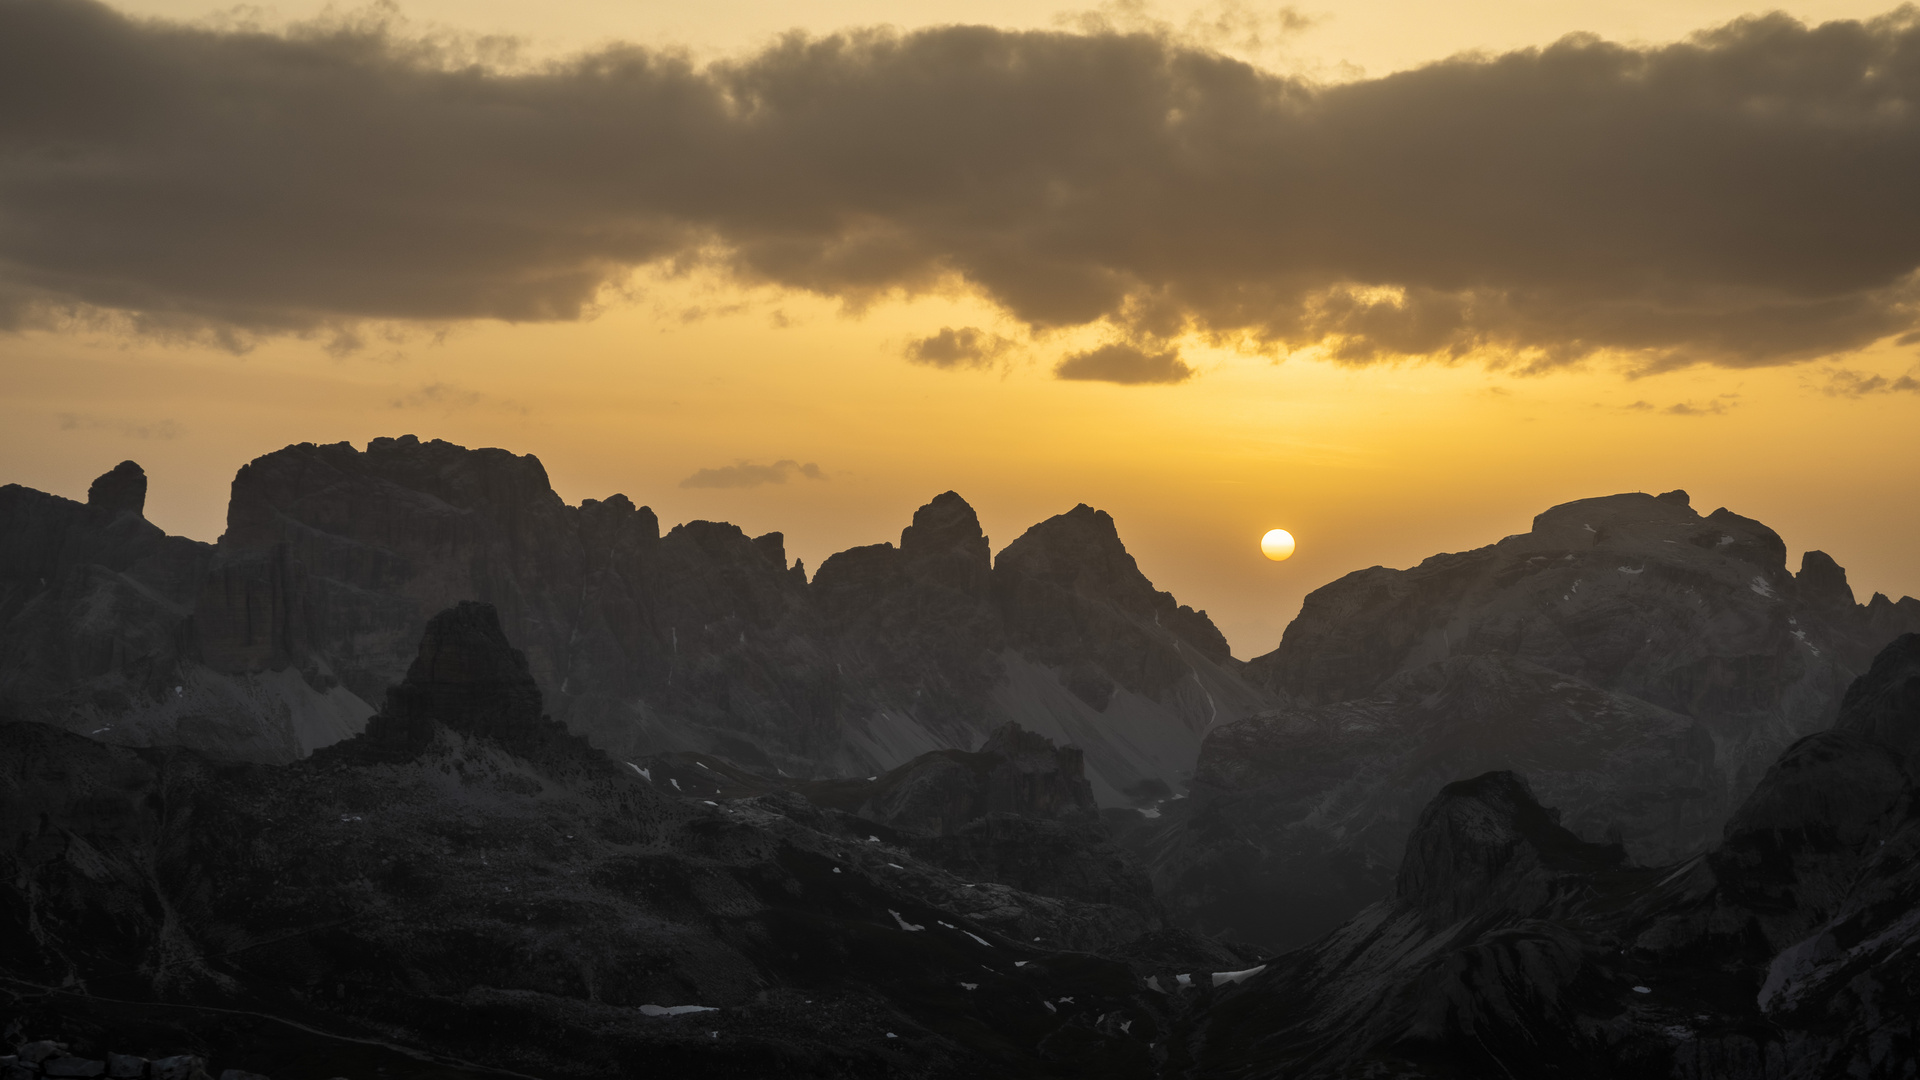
(741, 474)
(1126, 364)
(1842, 382)
(950, 348)
(1745, 197)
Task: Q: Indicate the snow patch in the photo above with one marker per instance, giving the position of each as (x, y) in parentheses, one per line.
(904, 924)
(1759, 585)
(674, 1010)
(1222, 978)
(645, 774)
(1631, 570)
(978, 938)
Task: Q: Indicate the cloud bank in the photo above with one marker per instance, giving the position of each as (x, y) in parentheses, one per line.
(743, 475)
(1741, 198)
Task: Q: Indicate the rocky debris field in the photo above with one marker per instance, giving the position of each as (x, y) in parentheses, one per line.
(38, 1058)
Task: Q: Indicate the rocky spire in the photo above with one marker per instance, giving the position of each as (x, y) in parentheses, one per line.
(469, 679)
(120, 490)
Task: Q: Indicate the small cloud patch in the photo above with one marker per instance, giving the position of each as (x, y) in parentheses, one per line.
(1842, 382)
(1128, 365)
(966, 347)
(742, 474)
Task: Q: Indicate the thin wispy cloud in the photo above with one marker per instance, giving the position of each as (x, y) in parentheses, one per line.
(448, 398)
(1740, 198)
(132, 429)
(745, 475)
(1842, 382)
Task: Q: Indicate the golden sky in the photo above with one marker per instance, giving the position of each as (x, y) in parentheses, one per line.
(1407, 355)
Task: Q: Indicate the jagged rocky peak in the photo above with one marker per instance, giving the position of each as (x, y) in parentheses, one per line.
(1080, 551)
(945, 543)
(1052, 579)
(120, 490)
(1823, 582)
(1486, 844)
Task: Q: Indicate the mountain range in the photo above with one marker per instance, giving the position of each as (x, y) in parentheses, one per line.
(1618, 796)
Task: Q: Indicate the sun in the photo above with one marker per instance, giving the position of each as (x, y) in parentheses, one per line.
(1277, 545)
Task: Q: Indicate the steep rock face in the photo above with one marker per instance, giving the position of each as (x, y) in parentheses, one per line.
(1299, 817)
(1512, 947)
(334, 558)
(97, 634)
(917, 623)
(1487, 845)
(272, 642)
(1100, 658)
(467, 880)
(1636, 594)
(1470, 969)
(1642, 663)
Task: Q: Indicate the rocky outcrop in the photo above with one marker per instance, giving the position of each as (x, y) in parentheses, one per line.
(1636, 594)
(1061, 634)
(49, 1059)
(274, 641)
(1486, 846)
(1513, 947)
(1299, 817)
(97, 634)
(1018, 811)
(1642, 664)
(465, 882)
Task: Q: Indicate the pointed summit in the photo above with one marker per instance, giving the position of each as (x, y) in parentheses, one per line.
(466, 678)
(1487, 842)
(946, 545)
